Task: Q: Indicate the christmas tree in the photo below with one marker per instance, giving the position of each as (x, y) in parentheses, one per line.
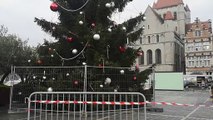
(86, 34)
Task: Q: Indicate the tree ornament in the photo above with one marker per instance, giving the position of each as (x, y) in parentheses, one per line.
(108, 5)
(134, 78)
(74, 51)
(109, 29)
(112, 4)
(54, 6)
(122, 49)
(96, 37)
(76, 82)
(69, 39)
(67, 74)
(139, 53)
(39, 61)
(52, 55)
(50, 49)
(28, 61)
(101, 86)
(49, 89)
(124, 28)
(107, 80)
(115, 90)
(44, 77)
(93, 25)
(84, 63)
(81, 12)
(122, 71)
(34, 77)
(81, 22)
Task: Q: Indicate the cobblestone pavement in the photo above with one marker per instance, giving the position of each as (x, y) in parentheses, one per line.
(183, 112)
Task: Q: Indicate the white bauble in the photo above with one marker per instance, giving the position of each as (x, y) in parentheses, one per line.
(122, 71)
(101, 86)
(74, 51)
(81, 12)
(44, 77)
(112, 4)
(109, 29)
(34, 77)
(124, 28)
(67, 74)
(29, 61)
(84, 63)
(115, 90)
(96, 37)
(108, 80)
(49, 89)
(81, 22)
(52, 55)
(108, 5)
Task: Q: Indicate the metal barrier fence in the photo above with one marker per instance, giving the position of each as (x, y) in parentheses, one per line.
(86, 106)
(75, 78)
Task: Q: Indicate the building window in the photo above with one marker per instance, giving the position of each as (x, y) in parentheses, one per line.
(149, 57)
(148, 26)
(149, 39)
(175, 15)
(164, 15)
(197, 33)
(158, 56)
(157, 38)
(141, 40)
(141, 59)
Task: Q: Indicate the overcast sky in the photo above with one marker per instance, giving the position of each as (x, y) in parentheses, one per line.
(18, 15)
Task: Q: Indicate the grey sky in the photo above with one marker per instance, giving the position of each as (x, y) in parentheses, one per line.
(18, 15)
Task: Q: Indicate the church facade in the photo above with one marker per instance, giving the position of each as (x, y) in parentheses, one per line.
(162, 40)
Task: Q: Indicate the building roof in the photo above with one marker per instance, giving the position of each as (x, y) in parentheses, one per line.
(169, 16)
(166, 3)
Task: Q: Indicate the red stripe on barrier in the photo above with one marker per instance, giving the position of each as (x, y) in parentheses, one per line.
(104, 103)
(132, 103)
(56, 102)
(85, 102)
(122, 103)
(75, 102)
(95, 103)
(112, 103)
(66, 102)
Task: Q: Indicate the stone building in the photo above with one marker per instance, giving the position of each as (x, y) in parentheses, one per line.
(199, 48)
(162, 40)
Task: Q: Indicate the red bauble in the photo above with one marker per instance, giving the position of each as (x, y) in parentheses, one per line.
(93, 25)
(54, 6)
(134, 78)
(39, 61)
(122, 49)
(69, 39)
(139, 53)
(76, 82)
(50, 49)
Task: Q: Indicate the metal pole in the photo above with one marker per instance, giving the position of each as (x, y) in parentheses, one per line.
(153, 72)
(11, 92)
(85, 90)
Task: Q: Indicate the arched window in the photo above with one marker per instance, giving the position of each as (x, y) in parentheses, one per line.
(149, 57)
(149, 39)
(157, 38)
(158, 56)
(141, 58)
(175, 15)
